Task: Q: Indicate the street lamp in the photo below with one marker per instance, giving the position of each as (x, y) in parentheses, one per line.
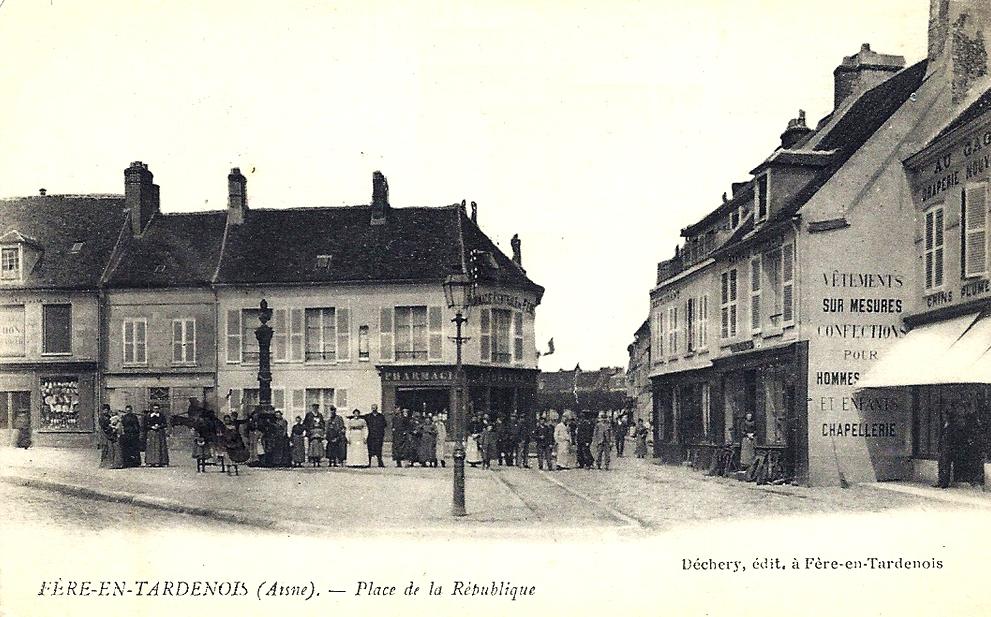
(459, 290)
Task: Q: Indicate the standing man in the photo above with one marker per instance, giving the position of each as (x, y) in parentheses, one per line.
(336, 439)
(584, 434)
(543, 437)
(524, 430)
(621, 429)
(400, 426)
(602, 439)
(131, 438)
(376, 434)
(945, 463)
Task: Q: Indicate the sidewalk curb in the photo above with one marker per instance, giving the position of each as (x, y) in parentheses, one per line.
(933, 494)
(159, 503)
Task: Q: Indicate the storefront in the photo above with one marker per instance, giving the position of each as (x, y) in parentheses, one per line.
(498, 391)
(59, 399)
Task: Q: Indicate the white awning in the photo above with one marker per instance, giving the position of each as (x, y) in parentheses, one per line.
(918, 358)
(968, 360)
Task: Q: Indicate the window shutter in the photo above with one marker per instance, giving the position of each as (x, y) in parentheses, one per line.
(732, 320)
(976, 235)
(343, 334)
(436, 342)
(485, 324)
(298, 401)
(385, 333)
(177, 340)
(755, 294)
(128, 342)
(518, 336)
(788, 283)
(235, 401)
(704, 336)
(296, 335)
(280, 331)
(279, 399)
(234, 336)
(342, 398)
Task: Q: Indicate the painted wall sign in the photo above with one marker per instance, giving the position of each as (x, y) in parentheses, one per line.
(418, 375)
(11, 331)
(494, 298)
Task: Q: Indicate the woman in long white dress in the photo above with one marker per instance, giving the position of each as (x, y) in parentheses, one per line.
(441, 439)
(565, 454)
(357, 436)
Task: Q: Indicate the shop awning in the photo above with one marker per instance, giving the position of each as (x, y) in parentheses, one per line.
(968, 360)
(921, 357)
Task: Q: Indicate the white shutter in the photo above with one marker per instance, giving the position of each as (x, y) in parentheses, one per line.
(788, 283)
(280, 335)
(755, 293)
(141, 342)
(298, 401)
(385, 333)
(342, 400)
(279, 399)
(343, 334)
(485, 324)
(128, 342)
(296, 335)
(234, 336)
(975, 236)
(435, 319)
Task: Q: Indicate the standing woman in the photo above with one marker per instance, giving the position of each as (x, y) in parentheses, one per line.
(640, 433)
(357, 435)
(428, 442)
(157, 449)
(563, 442)
(441, 430)
(297, 443)
(399, 428)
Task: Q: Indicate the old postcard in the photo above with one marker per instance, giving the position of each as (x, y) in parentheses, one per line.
(495, 308)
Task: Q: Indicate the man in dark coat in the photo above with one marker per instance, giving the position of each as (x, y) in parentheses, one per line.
(400, 435)
(504, 436)
(620, 430)
(583, 435)
(131, 438)
(523, 432)
(543, 437)
(376, 434)
(336, 439)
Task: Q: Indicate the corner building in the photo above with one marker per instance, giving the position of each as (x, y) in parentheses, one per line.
(782, 298)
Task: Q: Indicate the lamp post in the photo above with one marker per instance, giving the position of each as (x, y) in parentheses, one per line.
(459, 290)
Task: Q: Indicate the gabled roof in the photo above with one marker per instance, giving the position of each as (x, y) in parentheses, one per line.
(864, 118)
(53, 223)
(413, 245)
(175, 250)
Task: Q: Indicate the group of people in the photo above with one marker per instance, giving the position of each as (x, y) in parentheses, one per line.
(353, 442)
(570, 443)
(124, 438)
(419, 438)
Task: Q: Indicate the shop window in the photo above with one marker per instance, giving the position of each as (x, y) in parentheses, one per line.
(363, 343)
(12, 330)
(321, 335)
(10, 263)
(934, 248)
(135, 341)
(183, 341)
(60, 403)
(411, 333)
(728, 304)
(974, 254)
(57, 327)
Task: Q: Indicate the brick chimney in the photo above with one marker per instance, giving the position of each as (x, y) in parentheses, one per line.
(237, 197)
(958, 43)
(861, 72)
(380, 198)
(796, 131)
(517, 254)
(140, 196)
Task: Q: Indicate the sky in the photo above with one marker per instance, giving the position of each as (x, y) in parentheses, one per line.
(594, 130)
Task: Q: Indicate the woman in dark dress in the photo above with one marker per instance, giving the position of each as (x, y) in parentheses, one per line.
(23, 423)
(156, 449)
(297, 443)
(131, 438)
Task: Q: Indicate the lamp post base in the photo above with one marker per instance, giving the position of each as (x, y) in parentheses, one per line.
(458, 504)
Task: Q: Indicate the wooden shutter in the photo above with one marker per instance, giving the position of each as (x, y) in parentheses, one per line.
(296, 335)
(385, 333)
(518, 336)
(343, 334)
(128, 337)
(342, 399)
(177, 340)
(141, 342)
(298, 401)
(975, 235)
(435, 319)
(234, 336)
(485, 324)
(755, 294)
(279, 399)
(280, 334)
(235, 401)
(788, 283)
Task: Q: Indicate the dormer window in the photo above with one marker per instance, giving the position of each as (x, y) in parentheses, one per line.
(734, 218)
(324, 262)
(76, 247)
(762, 201)
(10, 263)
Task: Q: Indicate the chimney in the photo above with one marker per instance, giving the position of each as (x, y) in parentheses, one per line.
(42, 192)
(796, 131)
(237, 197)
(474, 213)
(958, 44)
(380, 198)
(516, 244)
(861, 72)
(140, 196)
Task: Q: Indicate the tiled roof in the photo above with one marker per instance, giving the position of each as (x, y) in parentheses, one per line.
(564, 380)
(54, 223)
(864, 118)
(175, 250)
(414, 244)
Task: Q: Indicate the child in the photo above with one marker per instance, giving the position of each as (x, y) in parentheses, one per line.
(490, 446)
